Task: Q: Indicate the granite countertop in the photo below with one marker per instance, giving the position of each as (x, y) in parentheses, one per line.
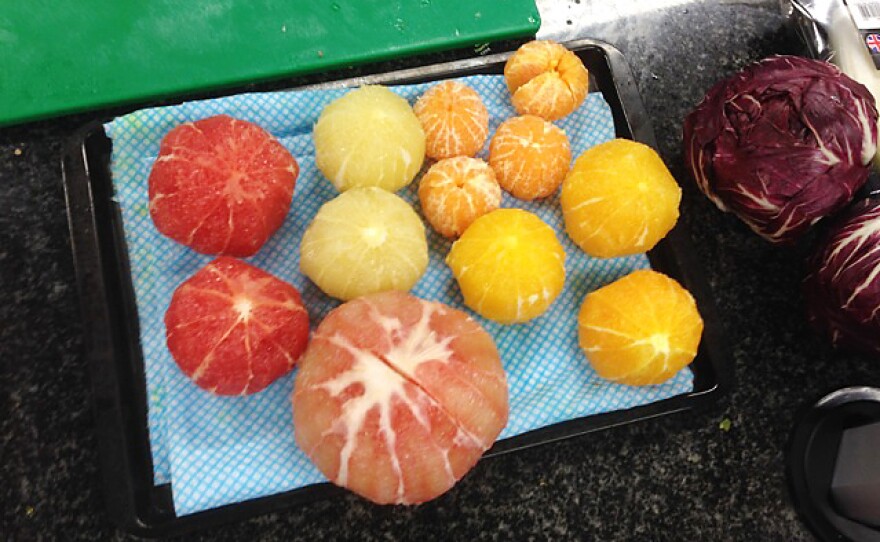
(687, 476)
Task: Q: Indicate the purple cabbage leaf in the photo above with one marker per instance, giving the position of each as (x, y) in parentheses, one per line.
(842, 286)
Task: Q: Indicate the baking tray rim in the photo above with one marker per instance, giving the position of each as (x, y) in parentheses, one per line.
(674, 256)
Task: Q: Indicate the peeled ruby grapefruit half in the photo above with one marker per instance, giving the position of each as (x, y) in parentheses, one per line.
(397, 398)
(221, 186)
(233, 328)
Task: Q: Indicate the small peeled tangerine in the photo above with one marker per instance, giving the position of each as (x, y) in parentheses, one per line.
(455, 120)
(456, 191)
(530, 157)
(546, 79)
(397, 397)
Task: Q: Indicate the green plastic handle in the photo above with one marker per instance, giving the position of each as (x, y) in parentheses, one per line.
(64, 57)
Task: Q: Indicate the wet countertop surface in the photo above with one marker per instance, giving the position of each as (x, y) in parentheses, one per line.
(715, 474)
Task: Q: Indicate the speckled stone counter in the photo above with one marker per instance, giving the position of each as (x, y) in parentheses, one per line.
(682, 477)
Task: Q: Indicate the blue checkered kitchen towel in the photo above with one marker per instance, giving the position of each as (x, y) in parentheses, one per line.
(220, 450)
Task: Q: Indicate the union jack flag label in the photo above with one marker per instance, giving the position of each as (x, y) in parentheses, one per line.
(873, 43)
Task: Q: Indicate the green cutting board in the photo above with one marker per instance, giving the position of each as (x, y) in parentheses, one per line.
(63, 57)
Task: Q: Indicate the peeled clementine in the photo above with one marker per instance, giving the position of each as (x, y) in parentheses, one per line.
(530, 157)
(546, 79)
(455, 120)
(456, 191)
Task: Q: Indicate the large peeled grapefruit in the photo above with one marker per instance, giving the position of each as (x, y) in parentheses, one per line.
(221, 186)
(233, 328)
(397, 398)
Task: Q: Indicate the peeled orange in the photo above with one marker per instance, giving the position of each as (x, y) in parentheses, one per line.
(363, 241)
(530, 157)
(455, 120)
(456, 191)
(618, 199)
(509, 265)
(640, 329)
(369, 137)
(546, 79)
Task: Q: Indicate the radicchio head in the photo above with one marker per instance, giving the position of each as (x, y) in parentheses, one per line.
(783, 143)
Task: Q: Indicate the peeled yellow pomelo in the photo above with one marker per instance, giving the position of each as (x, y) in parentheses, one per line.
(363, 241)
(369, 137)
(509, 265)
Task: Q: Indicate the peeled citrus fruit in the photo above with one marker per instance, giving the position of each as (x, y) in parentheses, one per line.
(509, 265)
(397, 398)
(365, 240)
(454, 118)
(369, 137)
(639, 330)
(221, 186)
(546, 79)
(233, 328)
(456, 191)
(619, 199)
(530, 157)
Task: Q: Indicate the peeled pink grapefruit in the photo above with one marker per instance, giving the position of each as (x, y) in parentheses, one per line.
(233, 328)
(397, 398)
(221, 186)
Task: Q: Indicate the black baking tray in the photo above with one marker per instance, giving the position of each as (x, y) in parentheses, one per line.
(110, 314)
